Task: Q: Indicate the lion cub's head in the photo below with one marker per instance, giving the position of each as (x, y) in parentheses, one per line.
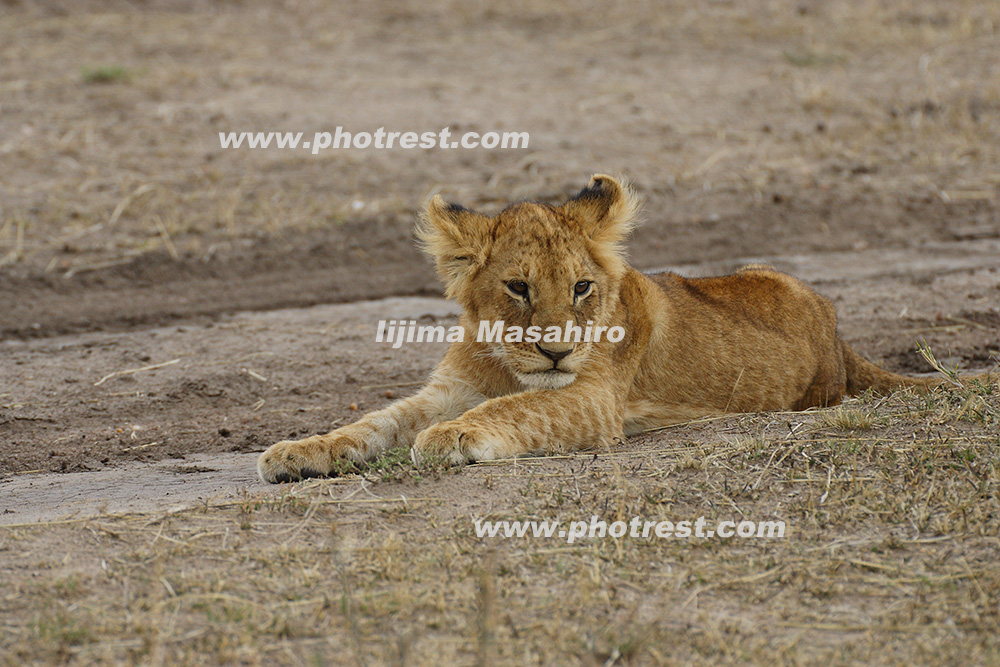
(536, 265)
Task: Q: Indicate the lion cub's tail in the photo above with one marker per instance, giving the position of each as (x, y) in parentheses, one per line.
(863, 374)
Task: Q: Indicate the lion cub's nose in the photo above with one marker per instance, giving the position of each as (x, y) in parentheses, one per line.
(554, 355)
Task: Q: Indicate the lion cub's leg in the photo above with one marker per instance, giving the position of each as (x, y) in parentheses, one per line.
(543, 421)
(316, 456)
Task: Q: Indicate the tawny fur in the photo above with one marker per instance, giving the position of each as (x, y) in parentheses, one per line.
(752, 341)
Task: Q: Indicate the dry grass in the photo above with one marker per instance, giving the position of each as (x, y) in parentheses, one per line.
(890, 557)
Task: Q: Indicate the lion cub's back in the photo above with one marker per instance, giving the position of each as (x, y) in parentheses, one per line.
(757, 339)
(757, 294)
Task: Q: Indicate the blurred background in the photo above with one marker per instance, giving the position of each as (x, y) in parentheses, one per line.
(752, 129)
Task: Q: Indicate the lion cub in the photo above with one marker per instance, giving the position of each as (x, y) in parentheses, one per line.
(752, 341)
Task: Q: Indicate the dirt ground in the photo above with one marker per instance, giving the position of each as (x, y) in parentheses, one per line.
(168, 308)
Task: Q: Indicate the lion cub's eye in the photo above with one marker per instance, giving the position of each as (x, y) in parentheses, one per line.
(518, 287)
(582, 287)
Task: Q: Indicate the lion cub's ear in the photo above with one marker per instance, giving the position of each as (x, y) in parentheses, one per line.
(605, 211)
(456, 238)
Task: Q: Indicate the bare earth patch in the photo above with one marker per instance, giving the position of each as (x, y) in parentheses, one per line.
(169, 308)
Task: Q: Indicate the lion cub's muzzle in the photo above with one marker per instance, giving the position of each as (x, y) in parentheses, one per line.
(555, 354)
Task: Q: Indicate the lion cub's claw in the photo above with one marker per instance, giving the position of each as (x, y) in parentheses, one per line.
(282, 463)
(445, 441)
(454, 442)
(294, 460)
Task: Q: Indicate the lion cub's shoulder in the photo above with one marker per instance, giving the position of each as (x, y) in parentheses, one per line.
(755, 290)
(764, 276)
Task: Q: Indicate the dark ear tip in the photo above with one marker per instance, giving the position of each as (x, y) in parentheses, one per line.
(602, 181)
(601, 187)
(438, 205)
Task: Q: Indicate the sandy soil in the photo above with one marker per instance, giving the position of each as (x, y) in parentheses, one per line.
(169, 308)
(93, 402)
(750, 135)
(753, 130)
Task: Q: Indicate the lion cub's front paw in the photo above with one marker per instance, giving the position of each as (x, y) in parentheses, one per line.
(456, 442)
(317, 456)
